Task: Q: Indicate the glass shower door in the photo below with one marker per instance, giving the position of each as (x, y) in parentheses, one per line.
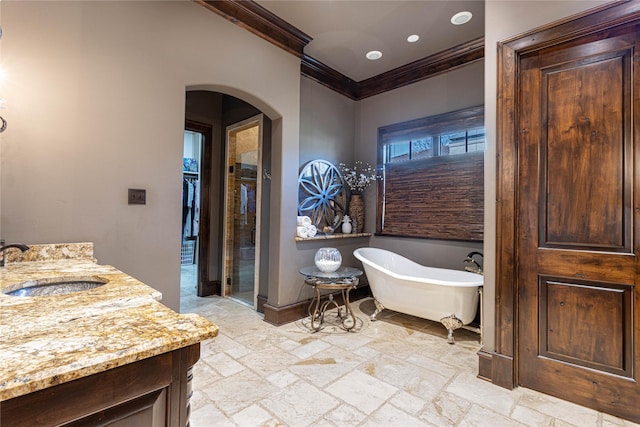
(242, 221)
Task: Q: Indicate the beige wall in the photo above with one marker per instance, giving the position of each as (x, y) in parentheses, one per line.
(471, 85)
(451, 91)
(96, 103)
(326, 132)
(504, 20)
(327, 124)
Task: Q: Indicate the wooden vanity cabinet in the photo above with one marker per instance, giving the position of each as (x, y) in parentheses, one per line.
(151, 392)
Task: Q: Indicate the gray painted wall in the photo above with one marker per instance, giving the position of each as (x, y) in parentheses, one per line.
(447, 92)
(327, 128)
(327, 124)
(90, 116)
(97, 106)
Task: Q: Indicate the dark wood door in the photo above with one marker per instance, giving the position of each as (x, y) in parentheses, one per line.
(578, 151)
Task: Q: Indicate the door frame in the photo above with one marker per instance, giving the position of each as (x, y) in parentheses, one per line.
(204, 286)
(259, 119)
(500, 366)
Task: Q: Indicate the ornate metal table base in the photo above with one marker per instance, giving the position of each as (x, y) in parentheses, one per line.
(343, 280)
(317, 308)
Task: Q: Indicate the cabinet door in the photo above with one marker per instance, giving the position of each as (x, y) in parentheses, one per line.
(148, 410)
(135, 389)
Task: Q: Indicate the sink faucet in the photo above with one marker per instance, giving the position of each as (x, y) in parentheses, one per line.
(4, 247)
(475, 268)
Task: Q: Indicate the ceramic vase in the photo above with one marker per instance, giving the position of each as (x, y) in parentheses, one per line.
(346, 225)
(356, 212)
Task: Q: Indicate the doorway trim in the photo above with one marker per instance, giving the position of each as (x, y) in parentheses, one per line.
(249, 122)
(499, 366)
(205, 286)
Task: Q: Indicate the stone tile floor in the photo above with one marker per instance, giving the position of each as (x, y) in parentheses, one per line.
(397, 371)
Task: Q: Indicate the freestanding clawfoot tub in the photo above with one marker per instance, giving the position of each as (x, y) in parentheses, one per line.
(438, 294)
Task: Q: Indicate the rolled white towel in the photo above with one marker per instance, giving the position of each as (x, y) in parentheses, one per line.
(302, 232)
(312, 231)
(304, 221)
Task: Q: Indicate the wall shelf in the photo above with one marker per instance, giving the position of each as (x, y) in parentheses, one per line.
(332, 236)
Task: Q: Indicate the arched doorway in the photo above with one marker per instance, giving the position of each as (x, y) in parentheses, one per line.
(218, 110)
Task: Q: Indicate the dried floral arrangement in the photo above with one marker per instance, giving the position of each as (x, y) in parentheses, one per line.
(358, 177)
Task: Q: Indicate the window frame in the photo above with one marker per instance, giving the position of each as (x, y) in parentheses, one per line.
(463, 120)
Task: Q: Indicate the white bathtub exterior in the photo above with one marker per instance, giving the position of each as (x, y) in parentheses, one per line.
(405, 286)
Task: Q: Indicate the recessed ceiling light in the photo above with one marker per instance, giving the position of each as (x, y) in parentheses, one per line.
(461, 18)
(413, 38)
(374, 54)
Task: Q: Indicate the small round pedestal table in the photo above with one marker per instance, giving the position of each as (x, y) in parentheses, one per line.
(344, 279)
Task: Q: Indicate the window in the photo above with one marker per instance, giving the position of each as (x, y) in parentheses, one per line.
(433, 184)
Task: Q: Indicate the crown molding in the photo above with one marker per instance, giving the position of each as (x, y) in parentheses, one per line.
(251, 16)
(255, 18)
(427, 67)
(327, 76)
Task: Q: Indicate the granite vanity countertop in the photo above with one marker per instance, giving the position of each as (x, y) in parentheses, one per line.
(48, 340)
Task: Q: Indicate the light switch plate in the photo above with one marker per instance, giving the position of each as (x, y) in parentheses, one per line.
(137, 196)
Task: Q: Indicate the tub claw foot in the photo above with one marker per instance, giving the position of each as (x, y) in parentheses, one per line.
(379, 308)
(451, 323)
(450, 339)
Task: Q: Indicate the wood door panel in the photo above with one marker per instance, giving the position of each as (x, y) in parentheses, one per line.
(578, 318)
(593, 389)
(586, 265)
(582, 155)
(586, 323)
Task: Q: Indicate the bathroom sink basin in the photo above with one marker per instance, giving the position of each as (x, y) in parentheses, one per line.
(54, 286)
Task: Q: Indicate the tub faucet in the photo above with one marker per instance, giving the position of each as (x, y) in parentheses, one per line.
(475, 268)
(4, 247)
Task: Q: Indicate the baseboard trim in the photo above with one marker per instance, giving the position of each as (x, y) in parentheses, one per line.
(502, 372)
(211, 288)
(496, 368)
(485, 362)
(281, 315)
(261, 301)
